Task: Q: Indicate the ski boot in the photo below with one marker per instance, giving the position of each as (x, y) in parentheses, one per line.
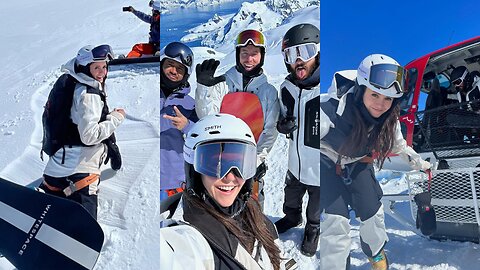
(379, 262)
(310, 240)
(286, 223)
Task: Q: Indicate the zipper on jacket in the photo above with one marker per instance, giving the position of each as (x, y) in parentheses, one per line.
(298, 134)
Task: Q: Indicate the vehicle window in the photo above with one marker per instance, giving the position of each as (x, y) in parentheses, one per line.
(408, 98)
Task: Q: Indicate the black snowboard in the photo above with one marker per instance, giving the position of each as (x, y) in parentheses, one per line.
(138, 60)
(40, 231)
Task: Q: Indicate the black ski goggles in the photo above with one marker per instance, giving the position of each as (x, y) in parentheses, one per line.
(218, 159)
(387, 75)
(102, 52)
(179, 53)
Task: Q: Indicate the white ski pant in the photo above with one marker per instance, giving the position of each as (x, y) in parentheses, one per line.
(335, 240)
(337, 197)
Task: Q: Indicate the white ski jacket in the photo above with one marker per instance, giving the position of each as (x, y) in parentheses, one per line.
(86, 112)
(184, 247)
(209, 99)
(303, 150)
(400, 145)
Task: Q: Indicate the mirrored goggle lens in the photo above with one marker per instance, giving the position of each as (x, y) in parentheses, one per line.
(303, 51)
(102, 52)
(177, 52)
(218, 159)
(386, 75)
(255, 37)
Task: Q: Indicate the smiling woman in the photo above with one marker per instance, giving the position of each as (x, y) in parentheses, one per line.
(220, 162)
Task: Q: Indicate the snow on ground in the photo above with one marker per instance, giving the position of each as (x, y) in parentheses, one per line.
(55, 30)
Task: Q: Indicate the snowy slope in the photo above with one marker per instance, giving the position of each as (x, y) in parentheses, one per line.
(53, 33)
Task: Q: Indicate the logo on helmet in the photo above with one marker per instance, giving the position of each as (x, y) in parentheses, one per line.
(214, 127)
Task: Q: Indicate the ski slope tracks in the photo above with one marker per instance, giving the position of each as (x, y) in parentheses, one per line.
(55, 30)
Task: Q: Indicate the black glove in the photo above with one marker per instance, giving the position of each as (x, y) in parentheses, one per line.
(261, 171)
(205, 72)
(287, 125)
(113, 154)
(426, 219)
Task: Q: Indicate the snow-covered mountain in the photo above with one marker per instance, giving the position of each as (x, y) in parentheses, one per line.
(165, 4)
(220, 32)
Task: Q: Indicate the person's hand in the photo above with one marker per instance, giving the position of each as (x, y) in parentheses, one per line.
(287, 125)
(131, 9)
(121, 111)
(205, 72)
(179, 121)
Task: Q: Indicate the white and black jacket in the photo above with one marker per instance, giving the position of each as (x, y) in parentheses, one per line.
(336, 124)
(86, 112)
(209, 99)
(304, 142)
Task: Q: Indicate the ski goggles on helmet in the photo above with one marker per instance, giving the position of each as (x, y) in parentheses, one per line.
(305, 52)
(250, 36)
(385, 76)
(219, 158)
(180, 53)
(459, 81)
(102, 53)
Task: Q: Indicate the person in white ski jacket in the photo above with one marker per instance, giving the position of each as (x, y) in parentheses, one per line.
(356, 129)
(215, 223)
(246, 76)
(80, 163)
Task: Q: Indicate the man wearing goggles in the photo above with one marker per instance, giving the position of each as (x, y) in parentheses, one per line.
(299, 118)
(153, 44)
(370, 108)
(79, 144)
(246, 76)
(217, 210)
(466, 83)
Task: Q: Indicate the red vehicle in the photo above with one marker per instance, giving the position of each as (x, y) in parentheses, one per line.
(440, 126)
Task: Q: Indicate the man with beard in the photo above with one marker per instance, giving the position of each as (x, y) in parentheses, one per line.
(246, 76)
(178, 114)
(299, 120)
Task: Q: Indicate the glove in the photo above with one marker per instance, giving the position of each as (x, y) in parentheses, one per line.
(261, 171)
(287, 125)
(426, 219)
(205, 72)
(113, 155)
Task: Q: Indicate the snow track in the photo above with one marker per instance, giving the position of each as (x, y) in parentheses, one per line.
(126, 197)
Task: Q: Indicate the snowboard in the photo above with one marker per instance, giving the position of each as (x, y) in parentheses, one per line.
(247, 107)
(41, 231)
(135, 60)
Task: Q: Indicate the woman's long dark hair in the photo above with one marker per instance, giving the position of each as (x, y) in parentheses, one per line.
(254, 226)
(379, 140)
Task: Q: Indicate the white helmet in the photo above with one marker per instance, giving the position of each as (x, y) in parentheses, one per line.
(156, 5)
(382, 74)
(89, 54)
(215, 145)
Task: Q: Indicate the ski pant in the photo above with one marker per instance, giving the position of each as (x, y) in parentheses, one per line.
(363, 195)
(292, 205)
(86, 196)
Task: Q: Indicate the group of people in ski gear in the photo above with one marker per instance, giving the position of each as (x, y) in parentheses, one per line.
(73, 171)
(359, 126)
(246, 76)
(216, 216)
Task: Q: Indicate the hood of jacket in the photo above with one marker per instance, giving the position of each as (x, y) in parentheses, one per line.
(69, 68)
